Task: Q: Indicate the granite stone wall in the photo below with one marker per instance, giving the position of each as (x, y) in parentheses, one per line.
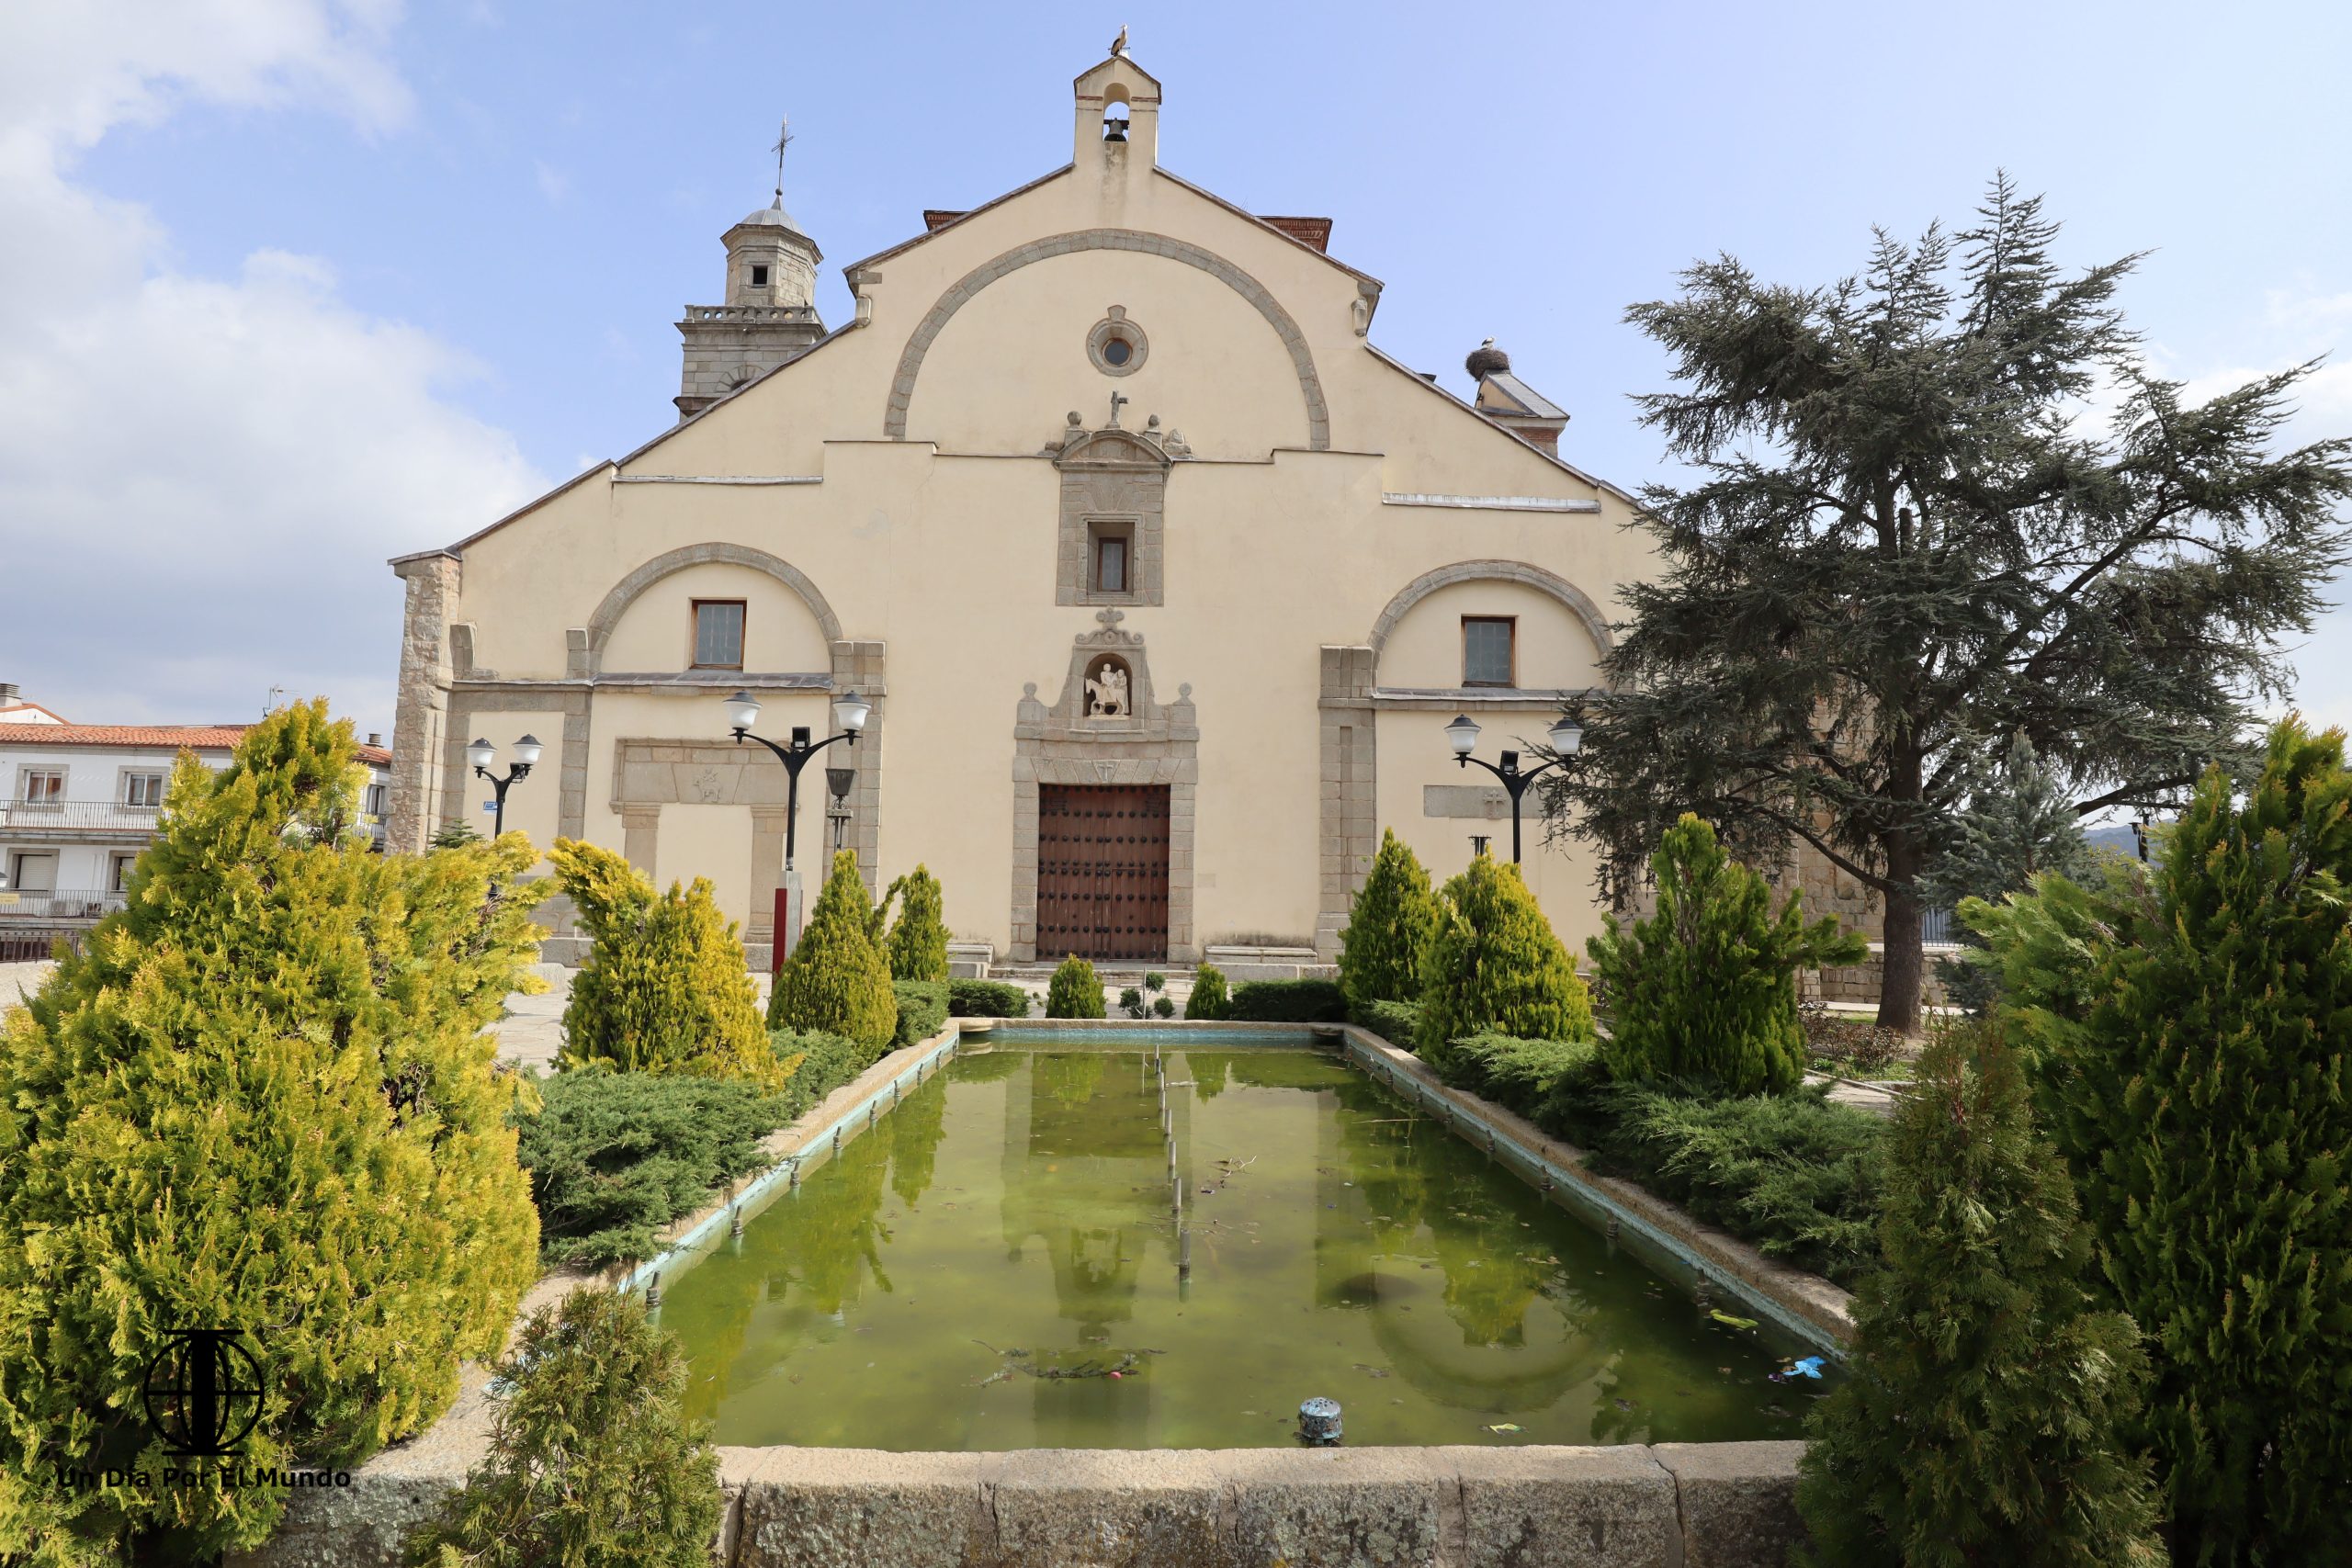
(1661, 1506)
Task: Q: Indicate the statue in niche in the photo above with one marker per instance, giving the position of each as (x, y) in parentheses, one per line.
(1107, 691)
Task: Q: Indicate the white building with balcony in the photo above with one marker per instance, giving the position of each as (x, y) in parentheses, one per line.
(81, 802)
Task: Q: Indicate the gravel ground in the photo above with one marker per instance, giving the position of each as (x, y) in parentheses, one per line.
(22, 979)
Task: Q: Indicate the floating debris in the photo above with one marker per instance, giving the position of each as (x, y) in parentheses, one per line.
(1730, 1322)
(1504, 1427)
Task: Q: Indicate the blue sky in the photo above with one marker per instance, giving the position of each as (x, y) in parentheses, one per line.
(293, 285)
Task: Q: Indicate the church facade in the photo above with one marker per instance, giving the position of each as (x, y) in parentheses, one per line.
(1160, 581)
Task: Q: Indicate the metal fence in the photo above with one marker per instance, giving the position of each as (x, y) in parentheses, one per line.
(30, 943)
(1935, 929)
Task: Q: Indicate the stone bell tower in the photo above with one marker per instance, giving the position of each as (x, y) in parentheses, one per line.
(770, 316)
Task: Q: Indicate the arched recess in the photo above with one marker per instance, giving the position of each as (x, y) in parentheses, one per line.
(625, 592)
(1310, 386)
(1534, 577)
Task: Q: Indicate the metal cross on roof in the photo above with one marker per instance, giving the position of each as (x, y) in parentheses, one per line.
(783, 141)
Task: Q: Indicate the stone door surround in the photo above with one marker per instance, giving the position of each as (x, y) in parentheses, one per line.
(1150, 743)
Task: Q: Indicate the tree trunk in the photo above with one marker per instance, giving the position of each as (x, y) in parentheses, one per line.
(1902, 973)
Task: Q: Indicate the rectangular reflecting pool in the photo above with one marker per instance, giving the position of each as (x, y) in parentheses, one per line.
(997, 1264)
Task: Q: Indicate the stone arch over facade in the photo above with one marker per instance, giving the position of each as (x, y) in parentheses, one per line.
(1534, 577)
(625, 591)
(1310, 386)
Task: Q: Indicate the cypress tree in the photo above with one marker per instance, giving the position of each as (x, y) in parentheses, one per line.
(2193, 1038)
(917, 946)
(1389, 927)
(664, 988)
(1208, 998)
(260, 1099)
(591, 1463)
(1985, 1419)
(2019, 822)
(837, 981)
(1495, 966)
(1074, 991)
(1706, 986)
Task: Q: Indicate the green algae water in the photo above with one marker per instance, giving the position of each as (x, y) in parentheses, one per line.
(972, 1273)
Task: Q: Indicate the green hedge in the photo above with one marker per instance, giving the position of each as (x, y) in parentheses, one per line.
(1399, 1023)
(1795, 1174)
(986, 999)
(1288, 1001)
(1520, 1074)
(923, 1010)
(826, 1062)
(615, 1156)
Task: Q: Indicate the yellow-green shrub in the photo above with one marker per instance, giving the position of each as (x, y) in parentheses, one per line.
(259, 1100)
(664, 988)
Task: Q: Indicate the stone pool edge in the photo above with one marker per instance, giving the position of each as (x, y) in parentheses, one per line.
(1684, 1504)
(1661, 1506)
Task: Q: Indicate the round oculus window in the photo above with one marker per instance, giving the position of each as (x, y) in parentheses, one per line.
(1117, 344)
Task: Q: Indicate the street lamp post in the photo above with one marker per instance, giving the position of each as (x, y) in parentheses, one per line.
(1568, 739)
(849, 712)
(482, 754)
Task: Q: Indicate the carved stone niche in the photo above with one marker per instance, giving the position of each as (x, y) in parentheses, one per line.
(1078, 739)
(1114, 485)
(1106, 692)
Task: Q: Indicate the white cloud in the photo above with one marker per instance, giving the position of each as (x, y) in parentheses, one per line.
(554, 184)
(200, 476)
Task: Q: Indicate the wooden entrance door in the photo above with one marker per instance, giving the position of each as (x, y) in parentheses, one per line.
(1103, 871)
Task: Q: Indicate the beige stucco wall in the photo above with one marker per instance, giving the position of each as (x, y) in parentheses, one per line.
(940, 547)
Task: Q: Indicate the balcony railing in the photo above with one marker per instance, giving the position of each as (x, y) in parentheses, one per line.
(23, 818)
(59, 904)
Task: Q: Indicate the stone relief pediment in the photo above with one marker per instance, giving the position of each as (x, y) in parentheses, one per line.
(1112, 448)
(1106, 692)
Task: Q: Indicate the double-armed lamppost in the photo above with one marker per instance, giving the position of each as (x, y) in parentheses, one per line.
(482, 754)
(1568, 739)
(849, 712)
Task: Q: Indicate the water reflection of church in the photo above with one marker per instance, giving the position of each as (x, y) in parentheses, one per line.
(1083, 1178)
